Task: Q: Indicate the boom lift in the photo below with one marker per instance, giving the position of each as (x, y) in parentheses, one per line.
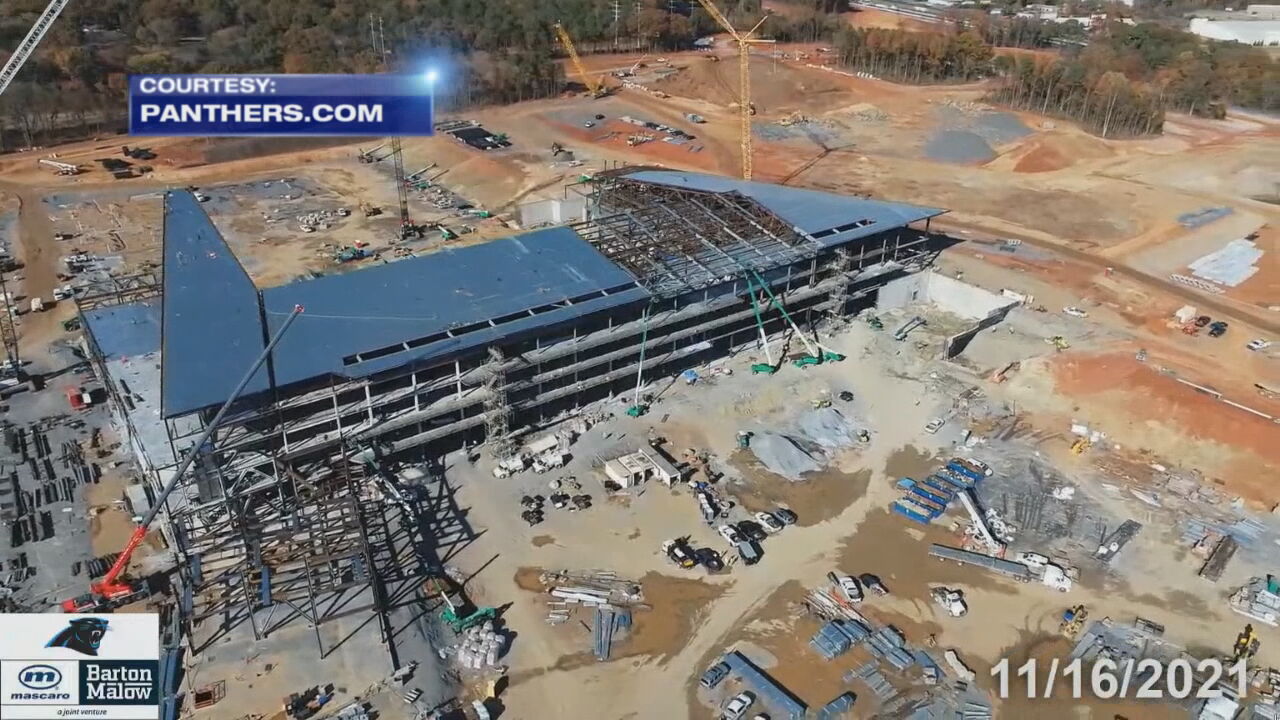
(817, 353)
(595, 87)
(110, 592)
(639, 408)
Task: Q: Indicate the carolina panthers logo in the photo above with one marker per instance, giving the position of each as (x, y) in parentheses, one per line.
(83, 635)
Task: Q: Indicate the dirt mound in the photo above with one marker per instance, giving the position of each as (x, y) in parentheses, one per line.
(1057, 151)
(775, 88)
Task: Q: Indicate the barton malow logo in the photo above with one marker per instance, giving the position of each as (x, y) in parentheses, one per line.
(83, 635)
(40, 677)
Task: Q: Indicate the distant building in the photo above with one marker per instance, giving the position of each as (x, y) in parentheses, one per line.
(1263, 12)
(1248, 32)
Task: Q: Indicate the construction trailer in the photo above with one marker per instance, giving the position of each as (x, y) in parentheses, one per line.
(429, 354)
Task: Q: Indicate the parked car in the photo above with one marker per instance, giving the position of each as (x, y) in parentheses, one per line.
(1259, 344)
(1218, 329)
(1203, 320)
(1074, 311)
(730, 534)
(934, 425)
(588, 124)
(752, 530)
(872, 583)
(769, 522)
(845, 396)
(736, 708)
(710, 559)
(785, 516)
(749, 552)
(847, 585)
(679, 552)
(714, 675)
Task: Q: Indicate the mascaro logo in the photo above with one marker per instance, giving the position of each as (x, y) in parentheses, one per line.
(83, 635)
(42, 681)
(40, 677)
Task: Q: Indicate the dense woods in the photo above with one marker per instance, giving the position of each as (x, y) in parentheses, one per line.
(904, 56)
(1103, 102)
(500, 51)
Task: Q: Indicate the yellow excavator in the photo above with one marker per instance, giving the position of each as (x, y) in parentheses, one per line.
(1080, 445)
(1072, 621)
(1246, 646)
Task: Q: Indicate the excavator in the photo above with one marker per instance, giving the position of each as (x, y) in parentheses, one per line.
(113, 591)
(1246, 646)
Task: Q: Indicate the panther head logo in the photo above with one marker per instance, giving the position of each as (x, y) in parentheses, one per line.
(83, 635)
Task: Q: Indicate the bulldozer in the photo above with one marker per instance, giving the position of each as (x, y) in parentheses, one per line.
(1058, 342)
(1072, 621)
(1080, 445)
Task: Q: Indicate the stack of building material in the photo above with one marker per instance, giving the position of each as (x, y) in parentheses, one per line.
(874, 679)
(888, 644)
(480, 647)
(838, 707)
(1218, 558)
(609, 623)
(836, 637)
(1259, 599)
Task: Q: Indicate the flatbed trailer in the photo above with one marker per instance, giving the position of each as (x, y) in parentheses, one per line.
(1000, 566)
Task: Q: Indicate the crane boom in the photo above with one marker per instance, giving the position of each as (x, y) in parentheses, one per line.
(567, 42)
(744, 41)
(108, 587)
(30, 42)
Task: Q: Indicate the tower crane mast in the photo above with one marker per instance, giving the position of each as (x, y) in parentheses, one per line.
(744, 40)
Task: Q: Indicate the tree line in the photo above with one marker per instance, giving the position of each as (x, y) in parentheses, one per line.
(914, 57)
(1104, 102)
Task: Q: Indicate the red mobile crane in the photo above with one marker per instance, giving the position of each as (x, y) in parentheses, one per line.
(111, 592)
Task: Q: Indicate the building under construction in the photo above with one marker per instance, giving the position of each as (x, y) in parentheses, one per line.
(461, 347)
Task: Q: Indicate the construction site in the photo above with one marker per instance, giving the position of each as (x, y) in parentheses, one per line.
(735, 386)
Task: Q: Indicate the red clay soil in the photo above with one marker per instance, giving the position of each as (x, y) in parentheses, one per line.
(1041, 159)
(1148, 394)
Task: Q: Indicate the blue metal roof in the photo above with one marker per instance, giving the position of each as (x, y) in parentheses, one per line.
(421, 308)
(778, 698)
(367, 320)
(124, 331)
(830, 219)
(212, 327)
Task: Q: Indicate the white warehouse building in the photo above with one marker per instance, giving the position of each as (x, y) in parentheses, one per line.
(1248, 32)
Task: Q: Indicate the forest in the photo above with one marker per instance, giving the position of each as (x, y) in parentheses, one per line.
(1104, 102)
(913, 57)
(501, 51)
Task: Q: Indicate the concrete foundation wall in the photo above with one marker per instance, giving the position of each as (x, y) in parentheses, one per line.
(965, 300)
(903, 291)
(954, 296)
(553, 212)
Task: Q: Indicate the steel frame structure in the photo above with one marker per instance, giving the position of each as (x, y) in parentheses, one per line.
(278, 524)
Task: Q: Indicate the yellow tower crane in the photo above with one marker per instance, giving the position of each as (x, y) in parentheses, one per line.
(593, 86)
(745, 41)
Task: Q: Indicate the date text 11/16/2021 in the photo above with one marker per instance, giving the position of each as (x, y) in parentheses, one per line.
(1107, 679)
